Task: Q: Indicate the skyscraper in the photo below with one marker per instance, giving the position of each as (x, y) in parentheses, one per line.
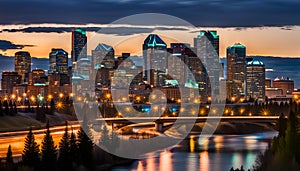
(255, 85)
(58, 61)
(79, 41)
(23, 64)
(155, 60)
(236, 70)
(178, 62)
(207, 49)
(103, 56)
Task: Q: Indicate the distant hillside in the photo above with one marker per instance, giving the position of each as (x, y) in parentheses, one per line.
(7, 63)
(286, 67)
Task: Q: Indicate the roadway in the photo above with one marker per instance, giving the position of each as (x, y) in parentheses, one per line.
(17, 139)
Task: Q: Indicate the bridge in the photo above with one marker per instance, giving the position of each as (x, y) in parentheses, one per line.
(159, 121)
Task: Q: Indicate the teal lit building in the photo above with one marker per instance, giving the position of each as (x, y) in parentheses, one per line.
(103, 56)
(236, 70)
(155, 60)
(79, 41)
(255, 84)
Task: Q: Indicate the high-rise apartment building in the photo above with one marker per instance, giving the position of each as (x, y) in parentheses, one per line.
(58, 61)
(207, 49)
(255, 84)
(155, 60)
(79, 41)
(236, 70)
(23, 64)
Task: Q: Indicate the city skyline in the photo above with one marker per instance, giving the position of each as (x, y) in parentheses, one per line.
(40, 39)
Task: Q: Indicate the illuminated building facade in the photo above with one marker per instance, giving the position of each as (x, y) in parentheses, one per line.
(207, 49)
(79, 41)
(255, 84)
(9, 80)
(37, 76)
(23, 64)
(177, 62)
(236, 70)
(58, 61)
(287, 85)
(155, 60)
(103, 56)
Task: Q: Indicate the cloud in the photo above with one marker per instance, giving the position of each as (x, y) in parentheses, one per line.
(115, 30)
(6, 45)
(48, 29)
(211, 13)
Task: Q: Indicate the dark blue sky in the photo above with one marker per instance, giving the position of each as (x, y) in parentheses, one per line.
(216, 13)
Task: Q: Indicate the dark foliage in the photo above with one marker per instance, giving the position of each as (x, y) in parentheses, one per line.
(49, 152)
(30, 156)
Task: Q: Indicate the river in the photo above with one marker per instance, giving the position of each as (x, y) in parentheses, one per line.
(217, 153)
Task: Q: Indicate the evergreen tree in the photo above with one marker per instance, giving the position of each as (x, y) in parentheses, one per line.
(104, 140)
(30, 155)
(281, 125)
(52, 107)
(6, 107)
(85, 145)
(49, 152)
(64, 161)
(1, 108)
(28, 107)
(15, 108)
(11, 110)
(9, 157)
(73, 148)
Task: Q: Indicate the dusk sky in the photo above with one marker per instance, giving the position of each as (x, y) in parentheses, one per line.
(266, 27)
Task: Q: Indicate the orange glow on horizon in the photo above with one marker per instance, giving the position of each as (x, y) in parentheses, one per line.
(258, 41)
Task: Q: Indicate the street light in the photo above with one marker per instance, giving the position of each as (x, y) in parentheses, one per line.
(209, 98)
(13, 96)
(50, 96)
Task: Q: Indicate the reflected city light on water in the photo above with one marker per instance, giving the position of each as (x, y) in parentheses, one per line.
(151, 164)
(216, 153)
(192, 144)
(236, 160)
(140, 166)
(218, 140)
(204, 161)
(166, 161)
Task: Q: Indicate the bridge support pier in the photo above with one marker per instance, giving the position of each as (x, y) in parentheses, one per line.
(159, 126)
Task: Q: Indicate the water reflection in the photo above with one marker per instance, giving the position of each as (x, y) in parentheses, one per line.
(165, 161)
(217, 153)
(204, 161)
